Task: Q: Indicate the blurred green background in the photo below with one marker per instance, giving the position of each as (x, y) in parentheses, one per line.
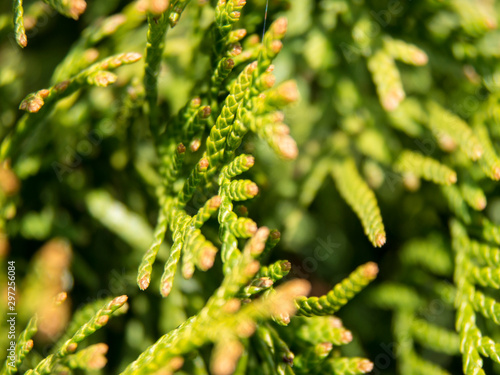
(92, 161)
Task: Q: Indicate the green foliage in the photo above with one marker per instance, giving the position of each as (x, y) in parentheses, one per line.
(68, 8)
(359, 196)
(172, 135)
(339, 295)
(23, 346)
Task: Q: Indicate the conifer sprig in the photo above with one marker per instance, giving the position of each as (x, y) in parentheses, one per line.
(361, 198)
(42, 101)
(218, 318)
(19, 23)
(425, 167)
(473, 195)
(90, 358)
(83, 53)
(146, 266)
(473, 343)
(444, 123)
(405, 52)
(69, 8)
(198, 162)
(456, 202)
(435, 337)
(47, 365)
(387, 80)
(351, 366)
(96, 74)
(24, 345)
(340, 294)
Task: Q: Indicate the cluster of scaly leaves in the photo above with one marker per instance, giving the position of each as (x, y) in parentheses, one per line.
(476, 271)
(401, 119)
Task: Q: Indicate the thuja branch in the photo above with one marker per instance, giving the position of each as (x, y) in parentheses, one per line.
(40, 103)
(161, 15)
